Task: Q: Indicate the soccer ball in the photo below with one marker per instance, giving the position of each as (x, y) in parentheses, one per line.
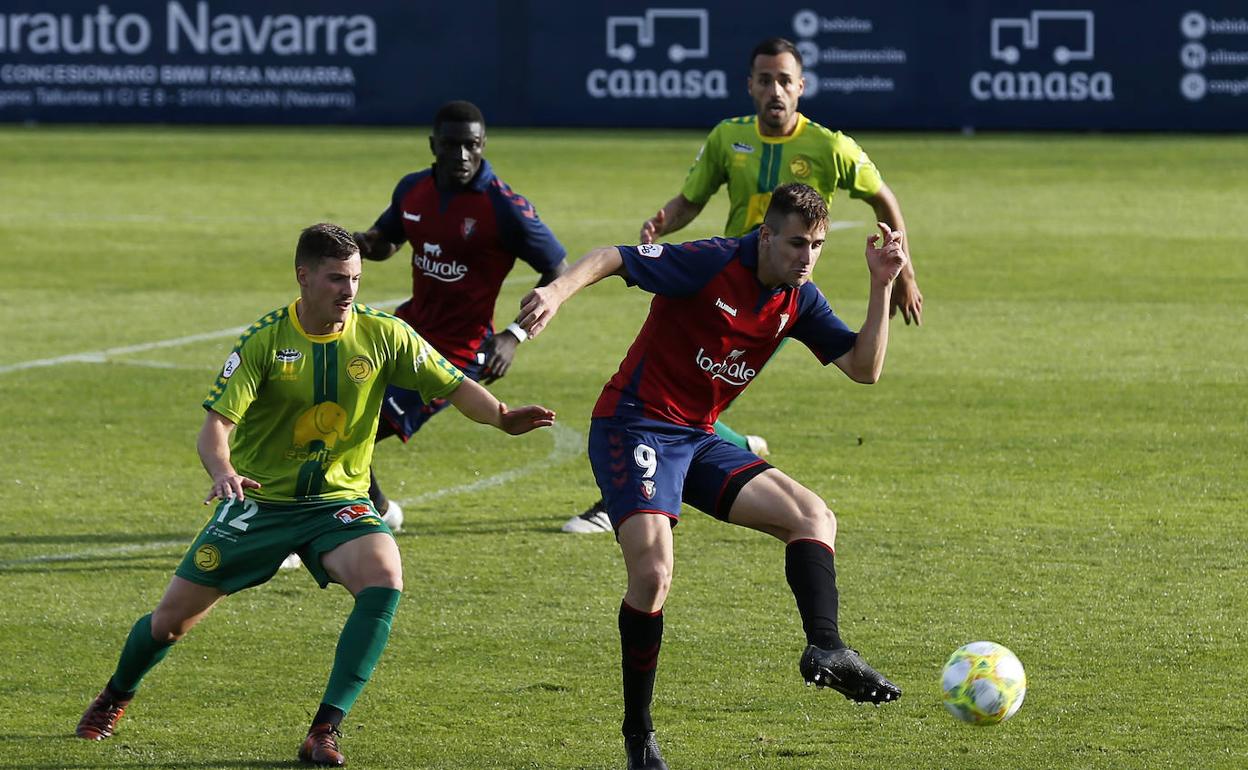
(983, 683)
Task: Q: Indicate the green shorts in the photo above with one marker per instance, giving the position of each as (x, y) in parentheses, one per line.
(245, 541)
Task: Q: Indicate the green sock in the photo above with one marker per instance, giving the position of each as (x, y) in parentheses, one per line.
(359, 646)
(140, 654)
(730, 435)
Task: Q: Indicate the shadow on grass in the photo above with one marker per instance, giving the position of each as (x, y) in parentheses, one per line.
(439, 526)
(112, 763)
(109, 757)
(98, 538)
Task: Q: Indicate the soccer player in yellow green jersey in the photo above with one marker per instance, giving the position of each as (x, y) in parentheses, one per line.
(753, 155)
(777, 145)
(287, 440)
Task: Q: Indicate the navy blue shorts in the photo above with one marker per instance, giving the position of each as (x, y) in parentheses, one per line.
(648, 466)
(407, 412)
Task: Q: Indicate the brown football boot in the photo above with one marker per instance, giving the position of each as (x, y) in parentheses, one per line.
(101, 717)
(321, 747)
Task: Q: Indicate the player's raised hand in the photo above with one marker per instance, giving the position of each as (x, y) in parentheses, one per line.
(230, 486)
(537, 308)
(524, 419)
(885, 255)
(653, 227)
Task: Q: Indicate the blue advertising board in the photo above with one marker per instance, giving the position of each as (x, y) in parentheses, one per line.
(1000, 64)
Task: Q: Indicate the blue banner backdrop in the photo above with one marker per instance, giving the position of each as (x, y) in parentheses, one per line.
(1162, 65)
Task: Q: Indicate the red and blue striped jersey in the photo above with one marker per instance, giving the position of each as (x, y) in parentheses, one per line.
(463, 245)
(711, 328)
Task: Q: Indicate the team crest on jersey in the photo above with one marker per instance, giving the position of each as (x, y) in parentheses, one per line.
(231, 365)
(468, 227)
(289, 360)
(353, 513)
(800, 166)
(742, 147)
(207, 558)
(784, 321)
(359, 369)
(647, 489)
(651, 250)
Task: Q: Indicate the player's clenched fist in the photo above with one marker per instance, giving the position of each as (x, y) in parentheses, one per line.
(885, 254)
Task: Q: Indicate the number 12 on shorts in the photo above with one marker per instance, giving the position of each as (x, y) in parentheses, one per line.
(239, 522)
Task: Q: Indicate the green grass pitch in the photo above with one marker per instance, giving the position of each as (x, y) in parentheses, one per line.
(1054, 461)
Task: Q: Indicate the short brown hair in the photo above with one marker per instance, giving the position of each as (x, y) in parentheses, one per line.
(324, 241)
(796, 198)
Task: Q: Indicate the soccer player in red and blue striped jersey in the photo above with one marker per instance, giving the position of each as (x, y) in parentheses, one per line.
(721, 307)
(467, 228)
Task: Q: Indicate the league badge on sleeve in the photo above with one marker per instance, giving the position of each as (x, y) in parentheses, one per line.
(651, 250)
(231, 364)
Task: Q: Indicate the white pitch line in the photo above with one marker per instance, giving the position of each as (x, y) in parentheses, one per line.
(94, 553)
(103, 356)
(567, 442)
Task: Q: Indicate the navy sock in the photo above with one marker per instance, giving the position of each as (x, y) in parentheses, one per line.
(641, 635)
(811, 572)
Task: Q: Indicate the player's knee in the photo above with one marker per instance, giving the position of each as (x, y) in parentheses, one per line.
(651, 582)
(383, 576)
(814, 518)
(167, 628)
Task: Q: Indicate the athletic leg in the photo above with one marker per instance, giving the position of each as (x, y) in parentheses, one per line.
(183, 605)
(369, 568)
(646, 544)
(774, 503)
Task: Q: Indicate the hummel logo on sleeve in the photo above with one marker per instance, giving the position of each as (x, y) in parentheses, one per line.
(413, 217)
(724, 306)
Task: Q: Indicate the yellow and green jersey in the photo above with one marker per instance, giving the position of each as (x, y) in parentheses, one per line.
(752, 165)
(307, 405)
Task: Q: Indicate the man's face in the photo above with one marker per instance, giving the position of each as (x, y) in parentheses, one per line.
(457, 149)
(775, 85)
(329, 290)
(787, 255)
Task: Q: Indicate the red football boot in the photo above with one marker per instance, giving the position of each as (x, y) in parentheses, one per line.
(321, 747)
(101, 717)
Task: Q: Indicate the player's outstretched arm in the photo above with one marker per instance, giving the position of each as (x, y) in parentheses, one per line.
(906, 295)
(540, 305)
(886, 257)
(674, 215)
(214, 452)
(478, 404)
(500, 350)
(373, 245)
